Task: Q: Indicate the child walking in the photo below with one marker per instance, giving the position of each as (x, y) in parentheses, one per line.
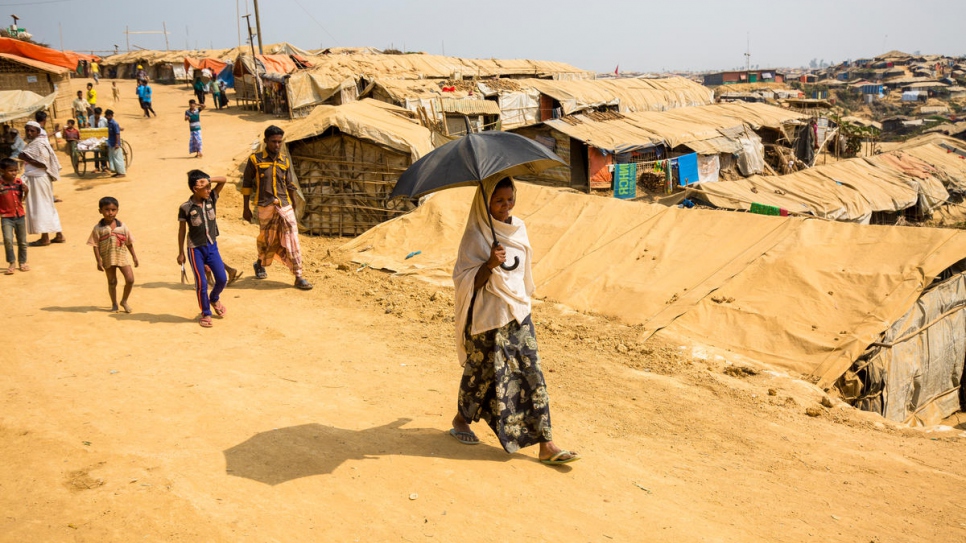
(198, 225)
(112, 241)
(13, 192)
(193, 116)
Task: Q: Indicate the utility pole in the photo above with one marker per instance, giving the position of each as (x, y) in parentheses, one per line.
(748, 54)
(238, 22)
(165, 29)
(258, 28)
(127, 36)
(251, 42)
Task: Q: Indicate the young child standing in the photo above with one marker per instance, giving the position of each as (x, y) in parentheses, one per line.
(112, 242)
(193, 116)
(197, 223)
(13, 192)
(115, 92)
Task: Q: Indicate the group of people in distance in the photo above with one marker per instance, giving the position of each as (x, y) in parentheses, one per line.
(206, 83)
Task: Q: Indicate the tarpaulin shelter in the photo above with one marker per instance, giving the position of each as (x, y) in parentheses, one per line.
(21, 73)
(818, 299)
(202, 63)
(348, 158)
(875, 189)
(339, 78)
(444, 108)
(64, 59)
(592, 141)
(260, 80)
(17, 104)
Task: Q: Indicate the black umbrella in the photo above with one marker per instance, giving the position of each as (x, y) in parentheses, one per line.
(473, 159)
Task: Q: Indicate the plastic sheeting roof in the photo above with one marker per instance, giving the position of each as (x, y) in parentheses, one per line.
(15, 104)
(850, 190)
(366, 120)
(63, 59)
(804, 295)
(40, 65)
(706, 129)
(629, 94)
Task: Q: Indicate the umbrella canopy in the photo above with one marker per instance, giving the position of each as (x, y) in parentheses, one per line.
(472, 159)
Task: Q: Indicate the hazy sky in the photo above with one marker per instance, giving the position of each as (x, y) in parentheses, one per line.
(638, 35)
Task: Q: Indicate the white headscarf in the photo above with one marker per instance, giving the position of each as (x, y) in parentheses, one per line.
(40, 150)
(506, 295)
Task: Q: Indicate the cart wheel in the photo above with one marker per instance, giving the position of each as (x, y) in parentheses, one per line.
(128, 153)
(80, 165)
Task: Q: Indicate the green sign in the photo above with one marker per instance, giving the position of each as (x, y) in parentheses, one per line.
(625, 181)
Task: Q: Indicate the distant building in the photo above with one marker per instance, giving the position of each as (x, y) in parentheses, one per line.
(744, 76)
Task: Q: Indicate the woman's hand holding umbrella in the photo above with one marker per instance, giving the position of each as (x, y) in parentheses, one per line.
(497, 256)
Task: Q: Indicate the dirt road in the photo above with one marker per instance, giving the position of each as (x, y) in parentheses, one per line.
(322, 415)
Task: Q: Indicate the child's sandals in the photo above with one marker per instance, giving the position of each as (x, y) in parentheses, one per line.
(9, 271)
(219, 308)
(205, 321)
(24, 267)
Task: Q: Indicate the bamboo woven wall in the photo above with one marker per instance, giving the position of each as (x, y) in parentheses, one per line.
(15, 76)
(346, 183)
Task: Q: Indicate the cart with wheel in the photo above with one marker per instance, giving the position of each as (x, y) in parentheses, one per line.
(91, 150)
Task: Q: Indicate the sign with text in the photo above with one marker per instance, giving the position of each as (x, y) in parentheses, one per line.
(625, 181)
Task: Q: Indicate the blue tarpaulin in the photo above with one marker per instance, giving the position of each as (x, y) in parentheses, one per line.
(227, 76)
(686, 169)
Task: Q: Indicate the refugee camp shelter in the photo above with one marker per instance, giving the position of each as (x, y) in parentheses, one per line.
(718, 138)
(19, 73)
(743, 76)
(876, 313)
(909, 182)
(17, 107)
(161, 66)
(445, 108)
(341, 78)
(529, 101)
(260, 80)
(347, 160)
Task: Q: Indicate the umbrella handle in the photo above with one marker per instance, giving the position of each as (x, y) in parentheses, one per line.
(516, 259)
(511, 267)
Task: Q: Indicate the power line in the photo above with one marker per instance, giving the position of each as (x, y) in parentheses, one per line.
(35, 3)
(299, 4)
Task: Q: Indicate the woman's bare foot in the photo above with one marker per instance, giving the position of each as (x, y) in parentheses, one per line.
(114, 308)
(127, 308)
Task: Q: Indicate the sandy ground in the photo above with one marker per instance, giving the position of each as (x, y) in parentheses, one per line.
(322, 415)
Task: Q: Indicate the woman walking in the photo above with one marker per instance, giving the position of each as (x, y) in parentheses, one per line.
(41, 169)
(502, 381)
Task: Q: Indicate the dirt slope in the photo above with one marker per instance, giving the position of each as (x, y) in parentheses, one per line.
(322, 416)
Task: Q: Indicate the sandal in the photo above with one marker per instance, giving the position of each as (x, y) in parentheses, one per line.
(466, 438)
(219, 308)
(562, 457)
(9, 271)
(38, 243)
(260, 272)
(302, 284)
(205, 321)
(24, 267)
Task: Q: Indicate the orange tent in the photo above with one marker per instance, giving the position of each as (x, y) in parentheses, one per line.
(65, 59)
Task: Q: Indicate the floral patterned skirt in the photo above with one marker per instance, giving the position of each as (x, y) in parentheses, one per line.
(503, 385)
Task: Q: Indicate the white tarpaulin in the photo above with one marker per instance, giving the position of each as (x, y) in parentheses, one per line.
(15, 104)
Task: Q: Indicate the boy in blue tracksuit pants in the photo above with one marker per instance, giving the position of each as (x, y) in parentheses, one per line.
(197, 222)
